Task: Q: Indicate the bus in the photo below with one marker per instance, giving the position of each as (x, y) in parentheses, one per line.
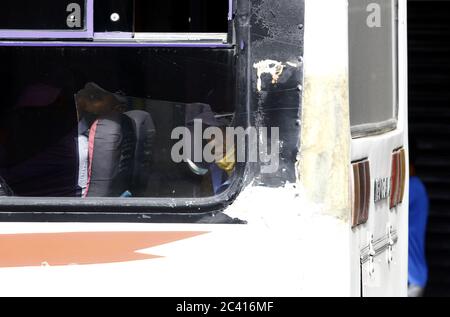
(208, 148)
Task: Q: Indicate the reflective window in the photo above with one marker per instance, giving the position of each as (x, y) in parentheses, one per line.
(42, 15)
(197, 16)
(174, 16)
(98, 122)
(373, 68)
(113, 15)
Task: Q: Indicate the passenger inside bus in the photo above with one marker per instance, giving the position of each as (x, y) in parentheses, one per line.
(52, 97)
(113, 148)
(106, 143)
(39, 148)
(219, 172)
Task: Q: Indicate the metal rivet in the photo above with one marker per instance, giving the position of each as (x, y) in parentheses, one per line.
(115, 17)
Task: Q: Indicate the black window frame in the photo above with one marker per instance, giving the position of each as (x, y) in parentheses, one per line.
(149, 209)
(255, 37)
(33, 34)
(89, 33)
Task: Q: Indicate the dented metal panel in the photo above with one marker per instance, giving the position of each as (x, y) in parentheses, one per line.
(277, 29)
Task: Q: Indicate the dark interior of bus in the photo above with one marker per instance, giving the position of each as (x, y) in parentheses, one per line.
(39, 116)
(197, 16)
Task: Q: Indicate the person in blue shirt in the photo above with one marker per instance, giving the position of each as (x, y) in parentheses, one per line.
(418, 216)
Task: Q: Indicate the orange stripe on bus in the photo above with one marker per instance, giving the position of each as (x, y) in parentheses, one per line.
(58, 249)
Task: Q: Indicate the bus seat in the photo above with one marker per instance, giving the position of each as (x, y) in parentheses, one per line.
(145, 137)
(170, 179)
(112, 144)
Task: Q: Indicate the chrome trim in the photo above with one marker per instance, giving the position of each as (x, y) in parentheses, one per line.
(113, 36)
(371, 129)
(379, 245)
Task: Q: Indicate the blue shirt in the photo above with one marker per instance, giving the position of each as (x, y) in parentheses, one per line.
(418, 215)
(220, 179)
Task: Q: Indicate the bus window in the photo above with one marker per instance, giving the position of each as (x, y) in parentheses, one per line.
(168, 16)
(42, 15)
(197, 16)
(97, 121)
(113, 15)
(373, 67)
(166, 21)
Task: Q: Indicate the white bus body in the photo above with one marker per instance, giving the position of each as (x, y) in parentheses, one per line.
(298, 240)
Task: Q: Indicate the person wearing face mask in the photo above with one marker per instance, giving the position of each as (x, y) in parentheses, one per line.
(216, 174)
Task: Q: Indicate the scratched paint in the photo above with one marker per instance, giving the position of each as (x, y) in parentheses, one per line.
(274, 68)
(325, 138)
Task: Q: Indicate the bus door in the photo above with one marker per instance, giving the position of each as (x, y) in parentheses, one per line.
(378, 111)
